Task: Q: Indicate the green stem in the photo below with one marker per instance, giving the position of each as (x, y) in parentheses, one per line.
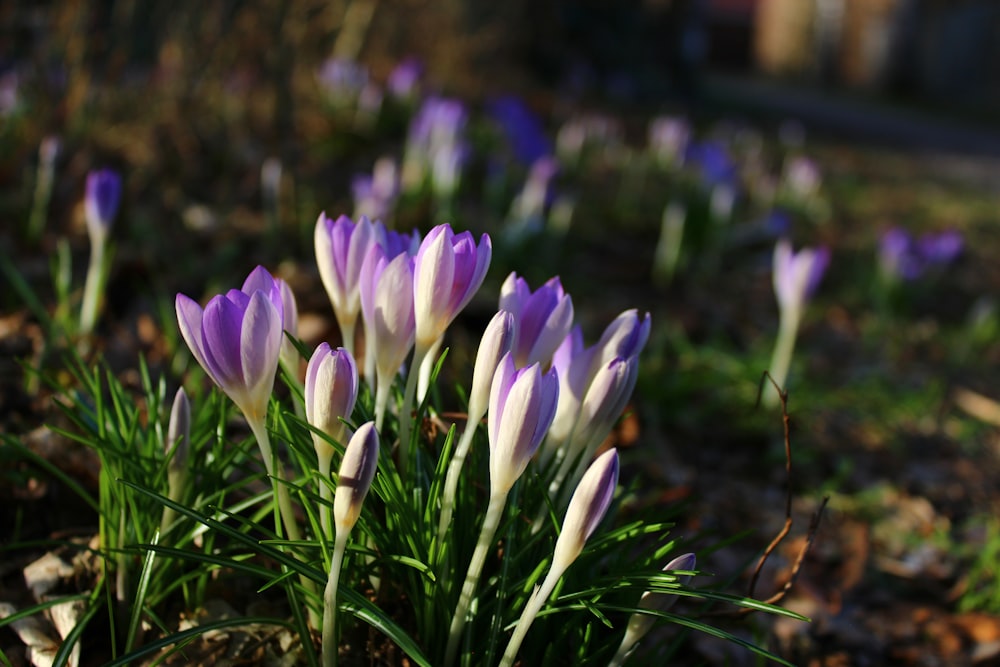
(535, 603)
(490, 524)
(324, 457)
(93, 289)
(405, 421)
(781, 359)
(284, 509)
(451, 480)
(330, 601)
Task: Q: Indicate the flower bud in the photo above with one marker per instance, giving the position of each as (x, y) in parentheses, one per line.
(587, 507)
(357, 471)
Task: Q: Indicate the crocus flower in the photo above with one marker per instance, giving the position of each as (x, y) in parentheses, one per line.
(104, 191)
(668, 140)
(448, 270)
(341, 247)
(898, 256)
(587, 507)
(639, 623)
(289, 356)
(522, 405)
(104, 188)
(375, 195)
(237, 339)
(387, 303)
(495, 344)
(343, 80)
(435, 145)
(357, 471)
(521, 128)
(331, 390)
(802, 177)
(405, 78)
(528, 208)
(590, 502)
(176, 446)
(796, 276)
(940, 248)
(543, 318)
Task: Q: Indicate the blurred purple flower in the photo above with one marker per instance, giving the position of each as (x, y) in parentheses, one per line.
(104, 192)
(668, 140)
(405, 77)
(375, 195)
(904, 257)
(941, 248)
(342, 79)
(797, 275)
(521, 128)
(713, 163)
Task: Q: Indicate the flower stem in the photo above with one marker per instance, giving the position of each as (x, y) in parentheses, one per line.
(490, 524)
(535, 603)
(405, 421)
(330, 601)
(284, 509)
(93, 288)
(324, 457)
(781, 358)
(451, 481)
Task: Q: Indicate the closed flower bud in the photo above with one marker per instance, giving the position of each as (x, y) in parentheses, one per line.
(331, 390)
(178, 440)
(357, 471)
(587, 507)
(496, 342)
(522, 405)
(448, 270)
(543, 317)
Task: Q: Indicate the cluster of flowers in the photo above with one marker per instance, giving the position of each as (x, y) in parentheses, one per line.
(547, 395)
(905, 257)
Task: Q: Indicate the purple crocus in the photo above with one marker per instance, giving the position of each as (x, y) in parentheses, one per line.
(521, 128)
(543, 318)
(375, 195)
(331, 389)
(357, 471)
(940, 248)
(797, 275)
(587, 507)
(668, 140)
(522, 405)
(237, 339)
(898, 256)
(104, 192)
(448, 270)
(405, 78)
(387, 304)
(341, 247)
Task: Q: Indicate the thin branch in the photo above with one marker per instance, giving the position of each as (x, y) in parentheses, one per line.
(786, 528)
